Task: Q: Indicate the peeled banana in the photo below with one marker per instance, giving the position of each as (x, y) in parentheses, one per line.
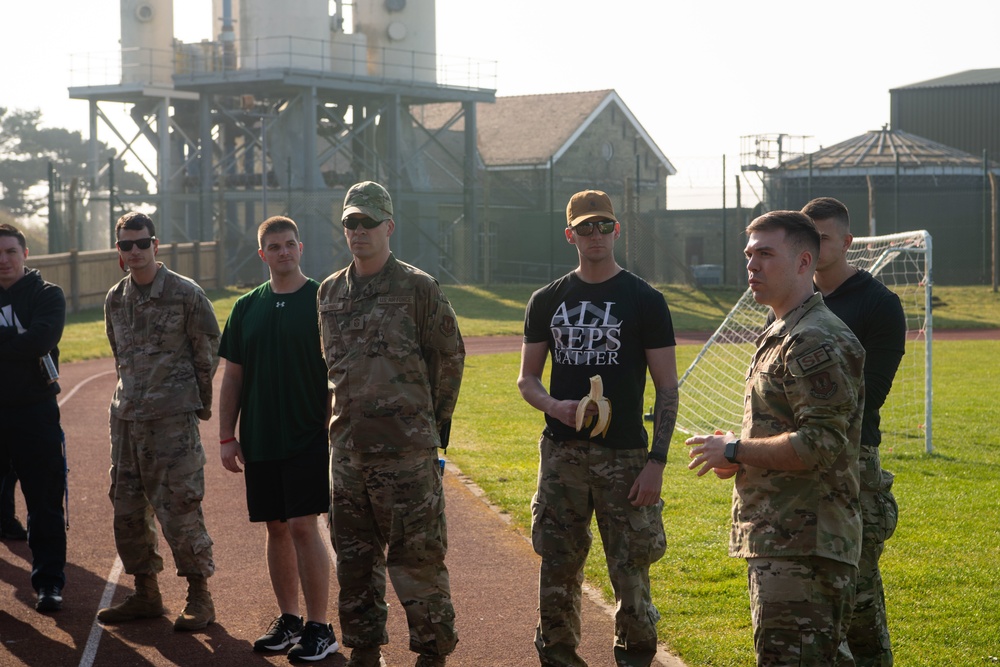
(596, 396)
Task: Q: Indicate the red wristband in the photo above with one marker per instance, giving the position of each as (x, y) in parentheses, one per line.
(227, 441)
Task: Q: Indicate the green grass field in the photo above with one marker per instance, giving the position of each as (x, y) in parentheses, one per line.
(938, 567)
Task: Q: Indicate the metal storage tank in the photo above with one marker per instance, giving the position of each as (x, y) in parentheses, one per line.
(284, 35)
(147, 41)
(894, 181)
(959, 110)
(401, 38)
(348, 50)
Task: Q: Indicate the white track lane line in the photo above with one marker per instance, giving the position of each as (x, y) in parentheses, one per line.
(96, 629)
(80, 384)
(94, 639)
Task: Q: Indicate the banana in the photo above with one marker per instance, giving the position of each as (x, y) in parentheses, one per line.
(596, 396)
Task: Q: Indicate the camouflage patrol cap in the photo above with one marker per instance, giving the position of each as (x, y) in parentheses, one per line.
(369, 198)
(589, 204)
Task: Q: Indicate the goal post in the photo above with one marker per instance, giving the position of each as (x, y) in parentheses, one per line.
(712, 388)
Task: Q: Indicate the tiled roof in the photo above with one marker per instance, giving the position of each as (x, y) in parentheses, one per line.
(876, 153)
(972, 77)
(528, 130)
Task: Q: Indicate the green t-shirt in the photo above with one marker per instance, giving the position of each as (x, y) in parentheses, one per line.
(275, 338)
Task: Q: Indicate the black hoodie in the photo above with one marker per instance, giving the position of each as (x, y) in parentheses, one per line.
(40, 308)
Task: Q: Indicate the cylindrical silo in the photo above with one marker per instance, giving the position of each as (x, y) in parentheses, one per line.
(284, 35)
(401, 37)
(147, 41)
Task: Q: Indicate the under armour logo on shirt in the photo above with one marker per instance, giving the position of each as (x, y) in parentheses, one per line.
(279, 304)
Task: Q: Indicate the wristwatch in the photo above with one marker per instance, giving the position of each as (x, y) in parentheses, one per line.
(732, 448)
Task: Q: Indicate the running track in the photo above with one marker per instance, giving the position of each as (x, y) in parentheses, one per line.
(493, 572)
(493, 569)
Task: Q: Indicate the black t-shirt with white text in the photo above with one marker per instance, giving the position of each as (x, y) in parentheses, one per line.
(600, 329)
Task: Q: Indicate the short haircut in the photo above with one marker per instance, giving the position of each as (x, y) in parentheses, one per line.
(10, 230)
(799, 228)
(828, 208)
(275, 225)
(135, 222)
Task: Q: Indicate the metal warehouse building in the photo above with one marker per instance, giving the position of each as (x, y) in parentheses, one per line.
(894, 181)
(934, 167)
(960, 110)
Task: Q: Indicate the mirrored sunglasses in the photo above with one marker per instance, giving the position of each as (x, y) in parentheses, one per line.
(367, 223)
(126, 246)
(587, 228)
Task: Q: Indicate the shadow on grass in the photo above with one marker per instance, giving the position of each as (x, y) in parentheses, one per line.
(924, 456)
(502, 302)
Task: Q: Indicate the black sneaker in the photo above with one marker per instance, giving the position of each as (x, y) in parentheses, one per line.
(317, 642)
(49, 598)
(12, 529)
(283, 632)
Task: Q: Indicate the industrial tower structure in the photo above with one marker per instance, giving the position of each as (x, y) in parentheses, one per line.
(280, 114)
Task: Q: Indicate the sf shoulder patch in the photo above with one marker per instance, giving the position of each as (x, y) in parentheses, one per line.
(811, 361)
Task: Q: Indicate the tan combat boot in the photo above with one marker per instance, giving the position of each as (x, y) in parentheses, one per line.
(144, 603)
(199, 610)
(370, 656)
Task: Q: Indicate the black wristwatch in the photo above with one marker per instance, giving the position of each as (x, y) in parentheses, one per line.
(732, 448)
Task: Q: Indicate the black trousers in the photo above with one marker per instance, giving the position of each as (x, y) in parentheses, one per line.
(31, 441)
(8, 482)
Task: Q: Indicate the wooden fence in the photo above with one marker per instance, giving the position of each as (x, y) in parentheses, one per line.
(87, 276)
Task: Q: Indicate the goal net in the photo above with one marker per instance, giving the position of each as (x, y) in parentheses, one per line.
(712, 388)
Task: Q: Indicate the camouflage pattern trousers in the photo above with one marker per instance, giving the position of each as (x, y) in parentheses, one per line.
(801, 609)
(388, 514)
(868, 635)
(576, 480)
(158, 470)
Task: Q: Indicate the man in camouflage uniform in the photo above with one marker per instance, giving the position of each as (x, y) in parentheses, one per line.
(165, 338)
(395, 358)
(796, 514)
(876, 317)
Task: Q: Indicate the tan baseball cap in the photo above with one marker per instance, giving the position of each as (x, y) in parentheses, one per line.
(368, 198)
(587, 205)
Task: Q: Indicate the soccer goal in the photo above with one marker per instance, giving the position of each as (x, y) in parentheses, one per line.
(712, 388)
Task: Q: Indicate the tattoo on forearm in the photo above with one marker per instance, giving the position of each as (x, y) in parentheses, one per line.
(664, 420)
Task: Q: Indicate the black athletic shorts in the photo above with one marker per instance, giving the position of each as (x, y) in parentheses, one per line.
(285, 489)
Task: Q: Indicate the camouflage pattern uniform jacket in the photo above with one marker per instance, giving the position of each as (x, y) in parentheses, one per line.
(395, 358)
(166, 347)
(806, 378)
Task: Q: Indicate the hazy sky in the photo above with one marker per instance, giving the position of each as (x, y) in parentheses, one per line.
(697, 74)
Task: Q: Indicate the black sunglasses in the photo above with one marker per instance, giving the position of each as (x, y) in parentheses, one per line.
(126, 246)
(587, 228)
(367, 223)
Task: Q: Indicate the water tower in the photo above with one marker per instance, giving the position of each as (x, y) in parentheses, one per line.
(147, 40)
(401, 38)
(285, 107)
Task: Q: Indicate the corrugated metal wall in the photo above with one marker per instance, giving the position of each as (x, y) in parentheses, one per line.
(950, 208)
(964, 117)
